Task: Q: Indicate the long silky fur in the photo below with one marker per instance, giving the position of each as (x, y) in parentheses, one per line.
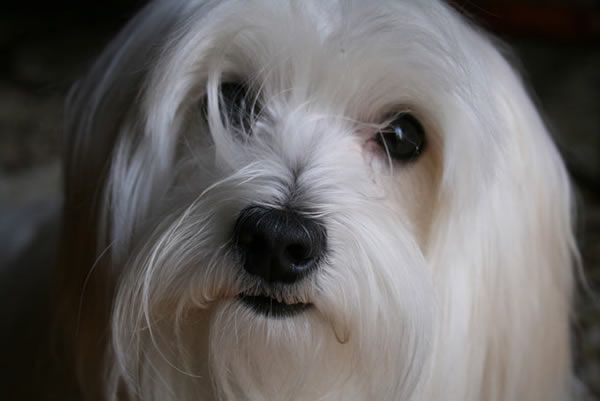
(447, 278)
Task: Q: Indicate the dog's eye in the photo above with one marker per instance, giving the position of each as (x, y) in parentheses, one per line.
(237, 107)
(403, 138)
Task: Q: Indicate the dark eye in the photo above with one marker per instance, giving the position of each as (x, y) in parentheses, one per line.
(403, 138)
(237, 106)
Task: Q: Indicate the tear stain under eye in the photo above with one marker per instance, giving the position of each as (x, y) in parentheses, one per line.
(373, 155)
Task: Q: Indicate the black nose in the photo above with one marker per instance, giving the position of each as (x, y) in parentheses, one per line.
(279, 245)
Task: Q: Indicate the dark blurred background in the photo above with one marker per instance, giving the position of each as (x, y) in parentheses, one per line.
(46, 45)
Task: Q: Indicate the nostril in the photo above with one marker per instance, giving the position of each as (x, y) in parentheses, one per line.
(298, 254)
(252, 241)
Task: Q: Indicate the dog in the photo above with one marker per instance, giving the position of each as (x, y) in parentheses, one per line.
(317, 200)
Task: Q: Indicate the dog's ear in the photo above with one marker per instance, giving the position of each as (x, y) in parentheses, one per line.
(502, 246)
(98, 110)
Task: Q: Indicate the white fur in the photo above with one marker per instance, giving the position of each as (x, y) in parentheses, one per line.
(448, 278)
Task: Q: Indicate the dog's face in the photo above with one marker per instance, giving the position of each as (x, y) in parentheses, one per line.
(323, 200)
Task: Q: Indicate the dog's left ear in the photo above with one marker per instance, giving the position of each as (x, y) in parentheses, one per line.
(99, 112)
(502, 246)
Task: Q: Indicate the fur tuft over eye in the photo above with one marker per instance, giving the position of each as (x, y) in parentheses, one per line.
(238, 106)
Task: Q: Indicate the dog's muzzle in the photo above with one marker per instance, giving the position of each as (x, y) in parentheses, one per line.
(280, 246)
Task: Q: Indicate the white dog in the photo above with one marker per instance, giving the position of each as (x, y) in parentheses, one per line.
(313, 200)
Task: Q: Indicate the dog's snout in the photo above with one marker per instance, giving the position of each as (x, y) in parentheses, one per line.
(279, 245)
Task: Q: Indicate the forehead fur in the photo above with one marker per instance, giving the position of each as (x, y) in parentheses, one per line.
(350, 59)
(388, 54)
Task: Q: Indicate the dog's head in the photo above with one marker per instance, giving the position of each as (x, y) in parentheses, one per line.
(278, 200)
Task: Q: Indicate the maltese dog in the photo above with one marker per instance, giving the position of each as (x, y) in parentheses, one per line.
(312, 200)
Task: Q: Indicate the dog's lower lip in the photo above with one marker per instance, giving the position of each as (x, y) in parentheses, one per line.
(270, 307)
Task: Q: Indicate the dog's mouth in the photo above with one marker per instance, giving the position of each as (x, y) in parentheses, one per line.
(271, 307)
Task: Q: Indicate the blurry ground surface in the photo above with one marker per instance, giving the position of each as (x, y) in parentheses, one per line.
(42, 56)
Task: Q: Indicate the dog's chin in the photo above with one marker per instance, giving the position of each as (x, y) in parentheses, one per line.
(272, 308)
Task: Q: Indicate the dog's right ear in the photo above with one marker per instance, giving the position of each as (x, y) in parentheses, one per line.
(98, 109)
